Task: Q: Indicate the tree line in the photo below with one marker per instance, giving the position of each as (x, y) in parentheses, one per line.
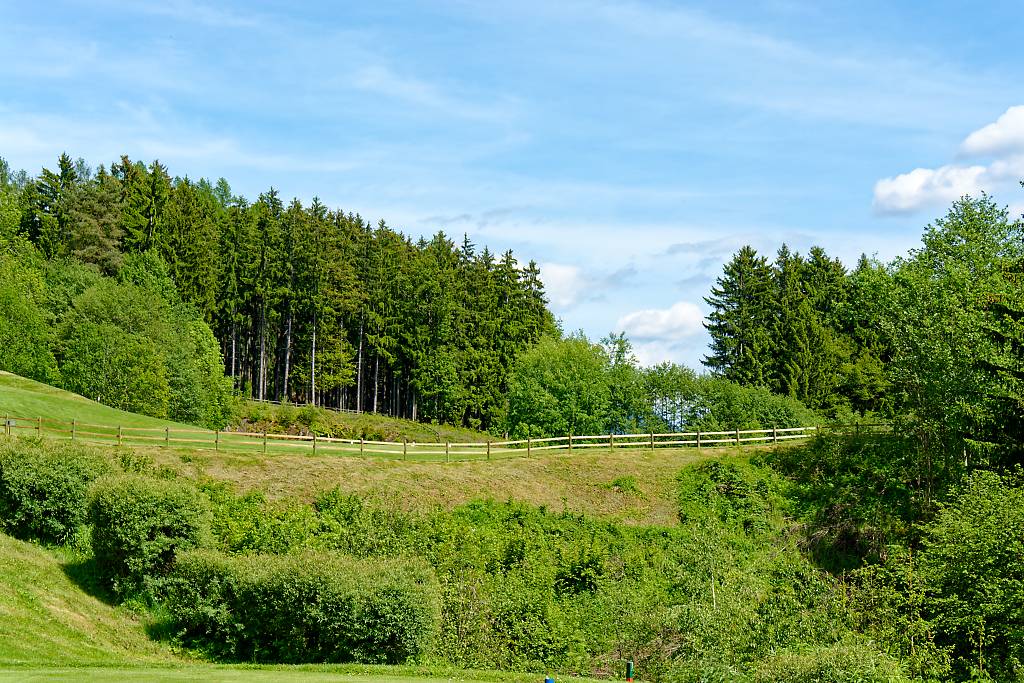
(308, 304)
(933, 340)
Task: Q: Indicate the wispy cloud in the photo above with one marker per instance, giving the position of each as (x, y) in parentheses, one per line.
(423, 94)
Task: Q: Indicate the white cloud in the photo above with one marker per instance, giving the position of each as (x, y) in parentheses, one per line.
(564, 284)
(921, 187)
(1004, 136)
(681, 319)
(930, 187)
(675, 334)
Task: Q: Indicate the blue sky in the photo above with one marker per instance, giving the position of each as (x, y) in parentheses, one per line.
(628, 147)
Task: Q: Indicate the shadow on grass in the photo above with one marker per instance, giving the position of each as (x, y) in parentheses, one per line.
(85, 575)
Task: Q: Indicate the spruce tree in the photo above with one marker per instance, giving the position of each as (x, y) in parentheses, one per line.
(739, 323)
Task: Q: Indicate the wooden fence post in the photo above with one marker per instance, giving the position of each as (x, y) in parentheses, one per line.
(737, 437)
(405, 449)
(118, 435)
(39, 426)
(216, 440)
(7, 424)
(264, 442)
(611, 442)
(529, 445)
(570, 442)
(447, 457)
(167, 437)
(74, 425)
(698, 439)
(360, 445)
(775, 435)
(652, 441)
(314, 443)
(488, 449)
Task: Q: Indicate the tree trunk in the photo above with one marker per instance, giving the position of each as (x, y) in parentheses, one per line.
(359, 372)
(287, 352)
(262, 379)
(312, 369)
(376, 381)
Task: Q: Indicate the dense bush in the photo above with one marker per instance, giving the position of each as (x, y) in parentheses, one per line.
(26, 334)
(847, 663)
(140, 524)
(304, 608)
(856, 495)
(44, 486)
(972, 568)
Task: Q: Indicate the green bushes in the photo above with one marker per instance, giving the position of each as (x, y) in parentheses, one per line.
(43, 488)
(835, 664)
(304, 608)
(139, 525)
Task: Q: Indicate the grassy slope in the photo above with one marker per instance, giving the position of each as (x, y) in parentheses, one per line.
(255, 417)
(583, 481)
(52, 629)
(47, 618)
(29, 399)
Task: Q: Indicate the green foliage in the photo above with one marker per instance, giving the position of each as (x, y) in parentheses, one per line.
(857, 494)
(251, 524)
(681, 400)
(140, 524)
(972, 566)
(44, 488)
(738, 494)
(831, 664)
(26, 333)
(304, 608)
(120, 369)
(559, 387)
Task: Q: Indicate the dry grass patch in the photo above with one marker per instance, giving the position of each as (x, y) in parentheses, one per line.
(629, 485)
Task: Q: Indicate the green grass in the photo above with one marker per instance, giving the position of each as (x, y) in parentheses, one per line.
(49, 618)
(28, 399)
(205, 673)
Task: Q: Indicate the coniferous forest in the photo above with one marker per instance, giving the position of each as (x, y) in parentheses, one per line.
(308, 304)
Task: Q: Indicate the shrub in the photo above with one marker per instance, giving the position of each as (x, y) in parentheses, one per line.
(834, 664)
(972, 567)
(250, 523)
(139, 524)
(44, 488)
(304, 608)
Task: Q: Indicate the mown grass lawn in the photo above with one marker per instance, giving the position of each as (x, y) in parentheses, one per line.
(304, 674)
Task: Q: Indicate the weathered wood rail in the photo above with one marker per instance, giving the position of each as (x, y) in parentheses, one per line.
(267, 443)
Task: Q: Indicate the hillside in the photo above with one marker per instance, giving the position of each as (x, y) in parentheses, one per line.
(48, 618)
(30, 399)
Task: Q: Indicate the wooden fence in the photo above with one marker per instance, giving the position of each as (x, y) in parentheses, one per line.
(284, 444)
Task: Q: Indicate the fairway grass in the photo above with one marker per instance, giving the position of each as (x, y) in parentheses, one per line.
(203, 673)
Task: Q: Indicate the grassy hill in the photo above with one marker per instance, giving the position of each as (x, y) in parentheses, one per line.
(30, 399)
(54, 628)
(635, 486)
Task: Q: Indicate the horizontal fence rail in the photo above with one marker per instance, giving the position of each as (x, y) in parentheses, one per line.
(290, 444)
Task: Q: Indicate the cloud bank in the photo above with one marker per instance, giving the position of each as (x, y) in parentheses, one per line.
(1002, 142)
